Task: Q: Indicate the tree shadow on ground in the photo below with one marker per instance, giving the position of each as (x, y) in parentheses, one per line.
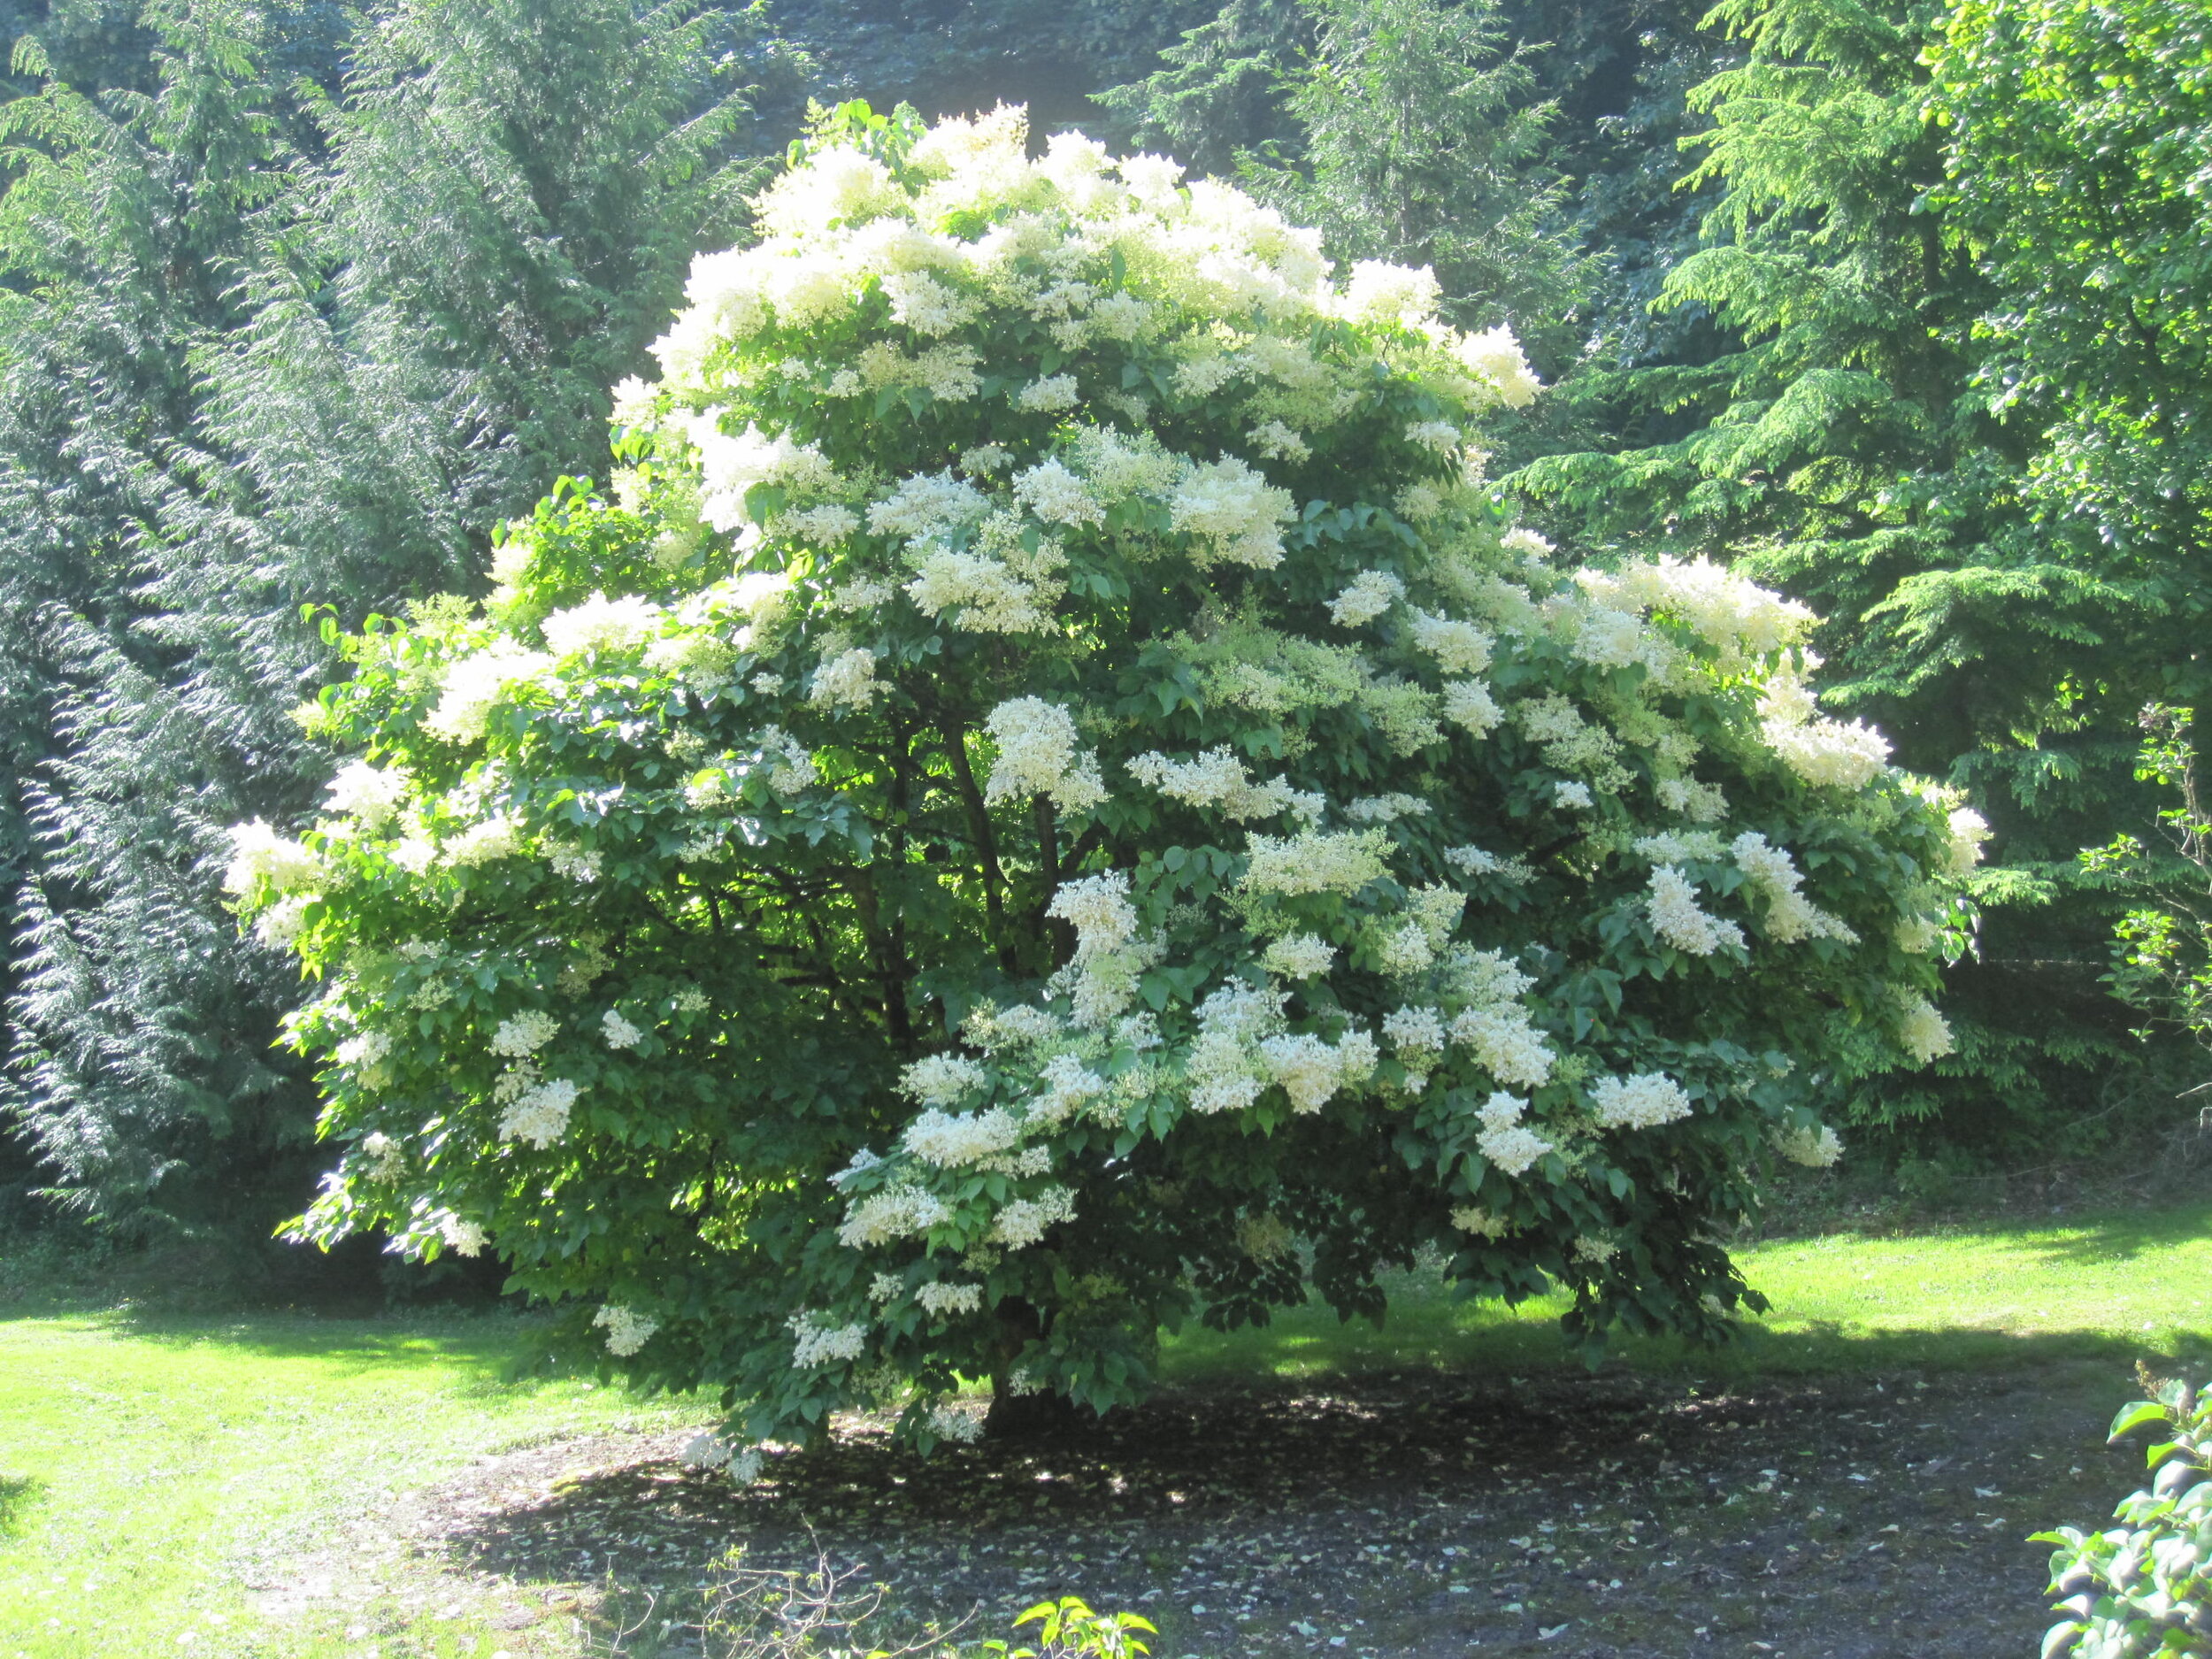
(1412, 1514)
(19, 1495)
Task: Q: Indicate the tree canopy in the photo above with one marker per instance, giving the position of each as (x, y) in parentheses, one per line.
(1047, 781)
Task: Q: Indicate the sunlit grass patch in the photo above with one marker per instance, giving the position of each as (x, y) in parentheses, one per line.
(1969, 1296)
(148, 1472)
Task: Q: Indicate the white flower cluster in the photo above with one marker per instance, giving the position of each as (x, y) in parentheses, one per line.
(619, 1031)
(474, 685)
(1038, 753)
(259, 854)
(1675, 917)
(1023, 1221)
(1311, 1070)
(949, 1140)
(1738, 619)
(627, 1330)
(1218, 778)
(1922, 1032)
(847, 680)
(1480, 1223)
(1815, 1148)
(817, 1343)
(944, 1300)
(540, 1114)
(1773, 874)
(1101, 977)
(896, 1212)
(950, 1422)
(1299, 956)
(371, 796)
(1370, 594)
(942, 1079)
(1314, 863)
(1644, 1101)
(1504, 1138)
(525, 1034)
(601, 623)
(1825, 753)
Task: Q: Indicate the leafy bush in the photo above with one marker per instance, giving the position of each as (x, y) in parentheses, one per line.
(2144, 1586)
(1050, 782)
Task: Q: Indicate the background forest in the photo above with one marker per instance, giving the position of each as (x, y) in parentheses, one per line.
(1900, 307)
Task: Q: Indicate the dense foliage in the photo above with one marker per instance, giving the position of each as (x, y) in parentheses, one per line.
(266, 348)
(296, 304)
(1875, 440)
(1048, 784)
(2144, 1586)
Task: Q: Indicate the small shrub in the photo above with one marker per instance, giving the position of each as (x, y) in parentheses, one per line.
(2143, 1586)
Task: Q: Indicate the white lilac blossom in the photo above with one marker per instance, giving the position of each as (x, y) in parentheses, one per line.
(949, 665)
(949, 1140)
(1468, 703)
(1474, 861)
(1771, 873)
(1505, 1045)
(371, 796)
(1314, 863)
(1504, 1138)
(1037, 755)
(1023, 1221)
(601, 623)
(817, 1342)
(940, 1079)
(1497, 356)
(1642, 1102)
(474, 686)
(1236, 515)
(1214, 778)
(540, 1115)
(949, 1422)
(1370, 594)
(896, 1212)
(1480, 1223)
(1968, 831)
(1922, 1032)
(259, 854)
(944, 1300)
(1299, 956)
(1459, 648)
(1816, 1148)
(525, 1034)
(1417, 1033)
(847, 680)
(1676, 918)
(627, 1330)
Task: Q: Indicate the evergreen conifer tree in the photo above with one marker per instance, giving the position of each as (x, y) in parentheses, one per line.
(366, 327)
(1847, 449)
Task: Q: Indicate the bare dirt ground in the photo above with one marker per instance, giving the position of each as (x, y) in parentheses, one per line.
(1579, 1518)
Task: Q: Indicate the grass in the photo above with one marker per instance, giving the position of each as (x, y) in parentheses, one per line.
(147, 1465)
(1970, 1296)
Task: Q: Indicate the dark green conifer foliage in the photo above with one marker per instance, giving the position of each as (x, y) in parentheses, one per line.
(281, 350)
(1405, 130)
(1845, 450)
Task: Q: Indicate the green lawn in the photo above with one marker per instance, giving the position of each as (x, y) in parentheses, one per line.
(1967, 1297)
(145, 1465)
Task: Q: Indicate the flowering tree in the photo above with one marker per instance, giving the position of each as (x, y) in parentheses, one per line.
(1049, 802)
